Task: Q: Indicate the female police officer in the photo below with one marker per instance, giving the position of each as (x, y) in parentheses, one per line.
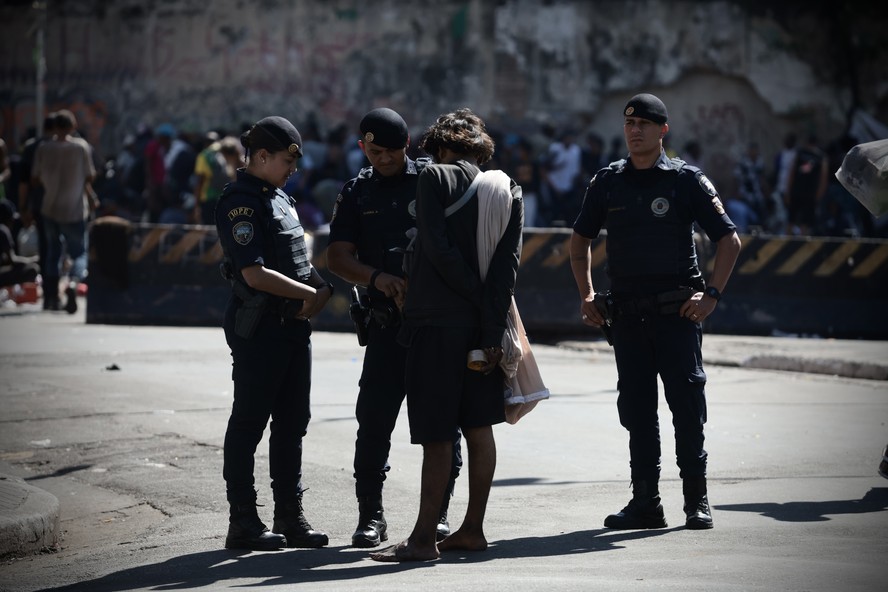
(275, 293)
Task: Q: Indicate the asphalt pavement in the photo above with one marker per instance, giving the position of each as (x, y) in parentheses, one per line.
(29, 516)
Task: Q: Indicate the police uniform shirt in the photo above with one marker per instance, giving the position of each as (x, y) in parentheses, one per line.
(374, 212)
(244, 230)
(649, 215)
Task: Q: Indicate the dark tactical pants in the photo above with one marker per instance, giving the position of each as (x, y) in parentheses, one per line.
(646, 346)
(272, 379)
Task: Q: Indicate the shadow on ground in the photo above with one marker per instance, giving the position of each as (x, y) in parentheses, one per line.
(875, 500)
(332, 564)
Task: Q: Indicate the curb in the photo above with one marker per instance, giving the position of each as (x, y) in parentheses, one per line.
(29, 518)
(843, 368)
(808, 365)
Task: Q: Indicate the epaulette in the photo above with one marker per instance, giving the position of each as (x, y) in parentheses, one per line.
(238, 187)
(616, 166)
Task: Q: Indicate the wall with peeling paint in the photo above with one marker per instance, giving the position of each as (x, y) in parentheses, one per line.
(728, 76)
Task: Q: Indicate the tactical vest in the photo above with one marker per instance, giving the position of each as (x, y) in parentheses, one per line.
(387, 209)
(650, 238)
(285, 250)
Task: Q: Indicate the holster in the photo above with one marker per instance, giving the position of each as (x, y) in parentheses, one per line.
(359, 311)
(604, 302)
(253, 306)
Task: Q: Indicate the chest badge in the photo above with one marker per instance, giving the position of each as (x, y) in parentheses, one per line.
(660, 206)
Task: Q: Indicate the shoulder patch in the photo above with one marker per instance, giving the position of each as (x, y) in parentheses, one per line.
(242, 211)
(242, 233)
(717, 204)
(336, 207)
(706, 184)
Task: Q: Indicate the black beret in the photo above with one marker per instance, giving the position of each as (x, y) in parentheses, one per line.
(274, 134)
(646, 106)
(385, 128)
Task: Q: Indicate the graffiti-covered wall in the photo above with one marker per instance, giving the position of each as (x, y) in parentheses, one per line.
(729, 72)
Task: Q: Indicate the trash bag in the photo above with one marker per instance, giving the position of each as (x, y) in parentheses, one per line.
(864, 173)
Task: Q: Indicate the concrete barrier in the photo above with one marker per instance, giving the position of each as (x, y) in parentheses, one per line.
(168, 275)
(806, 285)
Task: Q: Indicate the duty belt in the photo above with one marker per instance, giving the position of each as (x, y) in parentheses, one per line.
(663, 303)
(284, 307)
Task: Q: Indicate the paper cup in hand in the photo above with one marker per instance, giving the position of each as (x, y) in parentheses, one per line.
(477, 359)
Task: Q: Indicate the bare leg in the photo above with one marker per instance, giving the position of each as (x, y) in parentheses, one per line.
(482, 464)
(421, 545)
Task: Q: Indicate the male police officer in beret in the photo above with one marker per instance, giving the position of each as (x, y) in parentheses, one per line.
(367, 237)
(657, 303)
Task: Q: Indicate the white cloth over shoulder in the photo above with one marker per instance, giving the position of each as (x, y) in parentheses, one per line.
(524, 386)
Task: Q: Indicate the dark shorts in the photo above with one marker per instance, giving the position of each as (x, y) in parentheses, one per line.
(442, 393)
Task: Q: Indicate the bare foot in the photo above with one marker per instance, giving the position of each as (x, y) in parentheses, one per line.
(462, 540)
(405, 551)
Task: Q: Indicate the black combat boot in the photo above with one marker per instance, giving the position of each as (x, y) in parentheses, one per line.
(643, 511)
(246, 531)
(696, 503)
(51, 294)
(372, 528)
(443, 528)
(71, 299)
(290, 521)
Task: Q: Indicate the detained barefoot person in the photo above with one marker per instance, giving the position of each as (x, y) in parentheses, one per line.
(455, 304)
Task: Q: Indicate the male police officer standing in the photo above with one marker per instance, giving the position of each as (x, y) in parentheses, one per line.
(367, 237)
(657, 304)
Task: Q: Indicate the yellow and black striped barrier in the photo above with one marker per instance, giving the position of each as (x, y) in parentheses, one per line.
(807, 285)
(168, 275)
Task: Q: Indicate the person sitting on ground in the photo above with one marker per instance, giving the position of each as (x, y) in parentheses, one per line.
(14, 269)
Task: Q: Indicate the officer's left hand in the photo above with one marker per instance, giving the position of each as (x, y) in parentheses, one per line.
(391, 285)
(313, 306)
(698, 307)
(494, 355)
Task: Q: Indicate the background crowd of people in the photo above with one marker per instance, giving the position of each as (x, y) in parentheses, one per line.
(165, 175)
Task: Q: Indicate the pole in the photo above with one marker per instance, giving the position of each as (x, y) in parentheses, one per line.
(40, 63)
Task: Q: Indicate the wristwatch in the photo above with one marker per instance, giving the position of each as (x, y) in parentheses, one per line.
(713, 293)
(373, 277)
